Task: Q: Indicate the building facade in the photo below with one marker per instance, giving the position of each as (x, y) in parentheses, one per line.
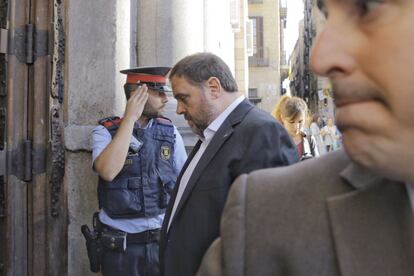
(297, 65)
(266, 58)
(315, 90)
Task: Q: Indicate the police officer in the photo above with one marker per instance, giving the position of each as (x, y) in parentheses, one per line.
(138, 158)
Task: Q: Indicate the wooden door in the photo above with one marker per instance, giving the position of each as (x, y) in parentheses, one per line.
(32, 202)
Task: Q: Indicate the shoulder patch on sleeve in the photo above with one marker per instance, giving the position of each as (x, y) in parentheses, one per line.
(110, 121)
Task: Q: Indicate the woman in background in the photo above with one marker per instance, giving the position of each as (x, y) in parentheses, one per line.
(330, 135)
(316, 132)
(291, 113)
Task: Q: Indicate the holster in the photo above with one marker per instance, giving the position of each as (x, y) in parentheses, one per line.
(103, 238)
(93, 246)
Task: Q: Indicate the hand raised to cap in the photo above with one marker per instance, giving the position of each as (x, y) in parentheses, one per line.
(136, 103)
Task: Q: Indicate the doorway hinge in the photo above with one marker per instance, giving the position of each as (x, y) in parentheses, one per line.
(3, 160)
(26, 43)
(23, 161)
(19, 161)
(3, 41)
(27, 160)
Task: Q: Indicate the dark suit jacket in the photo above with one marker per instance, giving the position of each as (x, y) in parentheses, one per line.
(326, 216)
(249, 139)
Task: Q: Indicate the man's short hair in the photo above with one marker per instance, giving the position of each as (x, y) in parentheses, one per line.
(198, 68)
(128, 89)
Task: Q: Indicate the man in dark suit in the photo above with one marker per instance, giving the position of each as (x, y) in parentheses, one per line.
(349, 212)
(235, 138)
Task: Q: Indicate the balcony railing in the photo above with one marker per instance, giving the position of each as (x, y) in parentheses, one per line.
(283, 13)
(255, 1)
(283, 9)
(260, 58)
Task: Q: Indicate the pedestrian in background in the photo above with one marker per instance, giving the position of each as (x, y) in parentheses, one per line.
(316, 132)
(292, 113)
(331, 135)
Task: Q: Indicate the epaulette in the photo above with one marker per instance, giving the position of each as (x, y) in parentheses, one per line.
(164, 120)
(110, 121)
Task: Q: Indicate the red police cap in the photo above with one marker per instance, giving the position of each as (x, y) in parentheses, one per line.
(154, 76)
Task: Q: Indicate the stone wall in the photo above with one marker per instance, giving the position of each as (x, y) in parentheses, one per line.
(97, 47)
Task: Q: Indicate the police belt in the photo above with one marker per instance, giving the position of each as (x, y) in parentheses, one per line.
(148, 236)
(144, 237)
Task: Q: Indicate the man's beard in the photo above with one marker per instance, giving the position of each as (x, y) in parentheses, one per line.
(150, 112)
(196, 126)
(202, 119)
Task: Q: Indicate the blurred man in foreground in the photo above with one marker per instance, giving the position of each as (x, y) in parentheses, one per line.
(349, 212)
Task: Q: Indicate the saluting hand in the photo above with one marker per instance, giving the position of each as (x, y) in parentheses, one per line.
(136, 103)
(110, 162)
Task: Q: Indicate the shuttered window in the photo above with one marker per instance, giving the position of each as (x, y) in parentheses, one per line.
(258, 49)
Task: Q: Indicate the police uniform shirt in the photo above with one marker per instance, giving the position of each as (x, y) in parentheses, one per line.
(100, 140)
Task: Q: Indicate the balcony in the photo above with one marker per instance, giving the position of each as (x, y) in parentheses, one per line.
(284, 72)
(283, 9)
(260, 58)
(255, 1)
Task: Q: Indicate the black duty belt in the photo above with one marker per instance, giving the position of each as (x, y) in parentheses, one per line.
(135, 238)
(144, 237)
(148, 236)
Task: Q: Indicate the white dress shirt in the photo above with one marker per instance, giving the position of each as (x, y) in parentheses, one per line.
(208, 133)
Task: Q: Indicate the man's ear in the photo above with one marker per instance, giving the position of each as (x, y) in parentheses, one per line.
(214, 86)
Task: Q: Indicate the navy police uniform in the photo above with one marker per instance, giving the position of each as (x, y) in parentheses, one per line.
(132, 205)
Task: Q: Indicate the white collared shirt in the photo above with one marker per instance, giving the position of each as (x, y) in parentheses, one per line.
(208, 133)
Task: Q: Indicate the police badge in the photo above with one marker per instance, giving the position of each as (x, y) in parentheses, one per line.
(165, 152)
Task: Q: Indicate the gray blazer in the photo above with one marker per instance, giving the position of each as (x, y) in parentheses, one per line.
(249, 139)
(325, 216)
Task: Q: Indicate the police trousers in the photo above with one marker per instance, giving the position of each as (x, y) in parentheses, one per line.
(137, 260)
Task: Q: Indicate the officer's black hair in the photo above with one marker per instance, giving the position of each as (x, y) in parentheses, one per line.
(198, 68)
(128, 88)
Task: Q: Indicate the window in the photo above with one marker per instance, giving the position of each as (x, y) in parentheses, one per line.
(260, 55)
(252, 92)
(249, 37)
(253, 96)
(257, 22)
(235, 15)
